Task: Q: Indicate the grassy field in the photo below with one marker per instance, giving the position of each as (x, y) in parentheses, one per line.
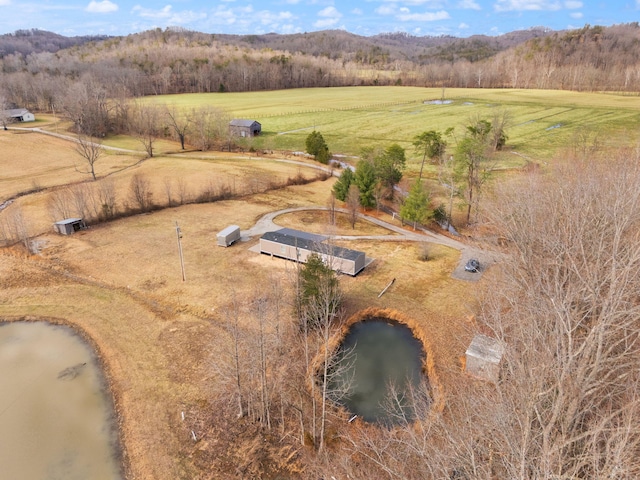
(543, 123)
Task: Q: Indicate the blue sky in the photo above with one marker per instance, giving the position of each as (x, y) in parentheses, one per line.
(460, 18)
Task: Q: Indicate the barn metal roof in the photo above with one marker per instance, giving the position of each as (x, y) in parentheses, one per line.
(67, 221)
(311, 242)
(239, 122)
(15, 112)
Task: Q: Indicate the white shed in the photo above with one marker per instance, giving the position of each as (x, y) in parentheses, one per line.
(229, 235)
(483, 358)
(20, 115)
(69, 225)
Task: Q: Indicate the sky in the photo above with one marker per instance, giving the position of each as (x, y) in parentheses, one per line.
(459, 18)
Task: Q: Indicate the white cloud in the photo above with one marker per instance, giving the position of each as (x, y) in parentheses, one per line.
(273, 19)
(423, 17)
(470, 5)
(6, 3)
(168, 16)
(431, 3)
(330, 16)
(358, 11)
(329, 12)
(463, 26)
(576, 15)
(149, 13)
(526, 5)
(573, 4)
(105, 6)
(390, 10)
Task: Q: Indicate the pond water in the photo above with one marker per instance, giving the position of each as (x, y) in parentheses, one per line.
(378, 374)
(56, 420)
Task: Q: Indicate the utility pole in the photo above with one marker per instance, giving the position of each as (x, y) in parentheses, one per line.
(179, 235)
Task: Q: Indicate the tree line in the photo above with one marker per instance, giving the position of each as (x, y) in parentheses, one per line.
(462, 174)
(161, 62)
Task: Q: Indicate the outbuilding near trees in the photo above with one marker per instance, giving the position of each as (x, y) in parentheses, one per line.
(69, 226)
(19, 115)
(298, 246)
(482, 358)
(229, 235)
(244, 128)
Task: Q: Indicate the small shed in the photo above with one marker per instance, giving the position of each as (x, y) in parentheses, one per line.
(298, 246)
(229, 235)
(244, 128)
(483, 358)
(20, 115)
(69, 226)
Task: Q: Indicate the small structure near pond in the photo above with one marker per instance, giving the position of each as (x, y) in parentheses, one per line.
(298, 246)
(229, 235)
(482, 358)
(69, 226)
(244, 128)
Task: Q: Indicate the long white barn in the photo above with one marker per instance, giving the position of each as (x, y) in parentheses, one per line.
(296, 245)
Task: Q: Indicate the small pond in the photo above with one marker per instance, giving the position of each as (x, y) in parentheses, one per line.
(56, 419)
(378, 372)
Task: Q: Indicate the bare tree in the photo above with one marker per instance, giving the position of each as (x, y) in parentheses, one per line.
(232, 320)
(5, 118)
(353, 204)
(168, 188)
(16, 228)
(80, 196)
(567, 312)
(178, 121)
(90, 149)
(140, 192)
(144, 124)
(106, 197)
(60, 204)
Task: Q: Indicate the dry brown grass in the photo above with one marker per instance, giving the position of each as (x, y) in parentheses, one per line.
(120, 283)
(33, 161)
(317, 221)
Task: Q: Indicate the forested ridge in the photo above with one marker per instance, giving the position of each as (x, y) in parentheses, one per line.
(37, 65)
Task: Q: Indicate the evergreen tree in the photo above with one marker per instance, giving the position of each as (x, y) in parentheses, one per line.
(416, 206)
(318, 284)
(389, 167)
(365, 179)
(341, 187)
(317, 147)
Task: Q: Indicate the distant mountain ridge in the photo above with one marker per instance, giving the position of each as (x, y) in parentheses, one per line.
(329, 43)
(37, 41)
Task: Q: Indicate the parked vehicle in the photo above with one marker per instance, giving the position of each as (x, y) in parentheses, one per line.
(472, 265)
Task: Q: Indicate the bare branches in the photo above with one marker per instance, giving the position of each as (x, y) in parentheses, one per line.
(90, 149)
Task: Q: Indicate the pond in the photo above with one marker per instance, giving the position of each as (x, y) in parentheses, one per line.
(378, 372)
(56, 418)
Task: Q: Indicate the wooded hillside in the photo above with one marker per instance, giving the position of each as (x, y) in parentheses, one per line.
(38, 67)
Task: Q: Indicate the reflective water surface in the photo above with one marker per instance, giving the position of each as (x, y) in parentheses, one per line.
(379, 372)
(56, 421)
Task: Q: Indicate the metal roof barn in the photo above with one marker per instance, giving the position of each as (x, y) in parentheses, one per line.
(229, 235)
(69, 226)
(19, 115)
(298, 246)
(244, 128)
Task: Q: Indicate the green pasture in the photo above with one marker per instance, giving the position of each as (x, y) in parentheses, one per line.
(543, 122)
